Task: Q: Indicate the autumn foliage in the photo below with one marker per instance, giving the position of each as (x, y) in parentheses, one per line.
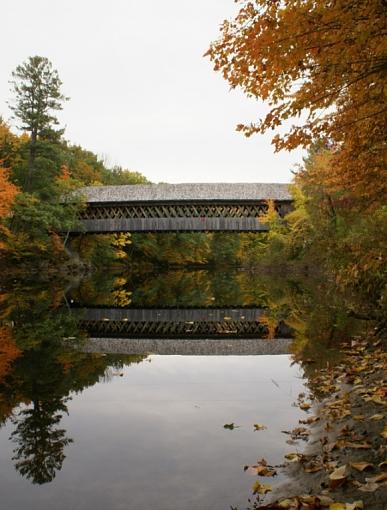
(8, 192)
(325, 62)
(65, 173)
(8, 351)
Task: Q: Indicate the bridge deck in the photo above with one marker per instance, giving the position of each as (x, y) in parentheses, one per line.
(171, 225)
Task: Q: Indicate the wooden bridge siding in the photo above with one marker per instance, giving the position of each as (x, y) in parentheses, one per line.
(172, 314)
(174, 209)
(171, 225)
(224, 328)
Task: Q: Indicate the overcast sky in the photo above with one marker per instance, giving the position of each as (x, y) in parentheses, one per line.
(142, 95)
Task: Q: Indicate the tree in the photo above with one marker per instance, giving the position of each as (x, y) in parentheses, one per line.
(40, 451)
(37, 90)
(9, 145)
(8, 192)
(8, 351)
(119, 176)
(325, 60)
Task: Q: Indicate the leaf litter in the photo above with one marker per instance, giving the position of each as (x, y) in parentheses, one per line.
(352, 432)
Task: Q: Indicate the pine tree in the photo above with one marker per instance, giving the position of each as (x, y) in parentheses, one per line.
(37, 89)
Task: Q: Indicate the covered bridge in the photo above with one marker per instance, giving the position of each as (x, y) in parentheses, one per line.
(204, 207)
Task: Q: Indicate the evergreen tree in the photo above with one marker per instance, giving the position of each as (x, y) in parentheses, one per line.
(37, 89)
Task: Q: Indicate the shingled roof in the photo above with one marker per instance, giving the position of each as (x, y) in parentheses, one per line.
(186, 192)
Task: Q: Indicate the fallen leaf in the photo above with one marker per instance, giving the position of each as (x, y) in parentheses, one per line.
(338, 477)
(305, 406)
(361, 466)
(337, 506)
(288, 503)
(309, 421)
(230, 426)
(356, 505)
(377, 417)
(261, 488)
(384, 432)
(313, 469)
(260, 470)
(377, 478)
(376, 400)
(294, 457)
(257, 427)
(357, 446)
(266, 471)
(308, 500)
(368, 487)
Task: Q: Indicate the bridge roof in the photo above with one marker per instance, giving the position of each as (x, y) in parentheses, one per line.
(186, 192)
(194, 347)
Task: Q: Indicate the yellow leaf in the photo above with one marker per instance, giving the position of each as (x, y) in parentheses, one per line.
(261, 470)
(257, 426)
(261, 488)
(293, 457)
(288, 503)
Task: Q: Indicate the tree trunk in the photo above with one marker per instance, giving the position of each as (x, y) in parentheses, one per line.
(31, 160)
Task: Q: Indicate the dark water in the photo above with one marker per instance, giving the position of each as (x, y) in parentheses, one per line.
(114, 393)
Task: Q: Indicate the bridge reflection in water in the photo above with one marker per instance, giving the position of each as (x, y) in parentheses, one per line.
(200, 331)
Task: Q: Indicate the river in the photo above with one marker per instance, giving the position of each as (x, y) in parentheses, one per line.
(138, 391)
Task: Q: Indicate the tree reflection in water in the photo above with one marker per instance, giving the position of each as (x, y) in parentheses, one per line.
(40, 451)
(37, 381)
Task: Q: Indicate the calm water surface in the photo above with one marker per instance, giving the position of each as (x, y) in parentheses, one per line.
(91, 431)
(153, 436)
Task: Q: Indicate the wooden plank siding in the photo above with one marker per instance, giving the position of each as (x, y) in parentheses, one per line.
(171, 314)
(170, 225)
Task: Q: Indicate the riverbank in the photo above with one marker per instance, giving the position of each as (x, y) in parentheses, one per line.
(64, 270)
(343, 466)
